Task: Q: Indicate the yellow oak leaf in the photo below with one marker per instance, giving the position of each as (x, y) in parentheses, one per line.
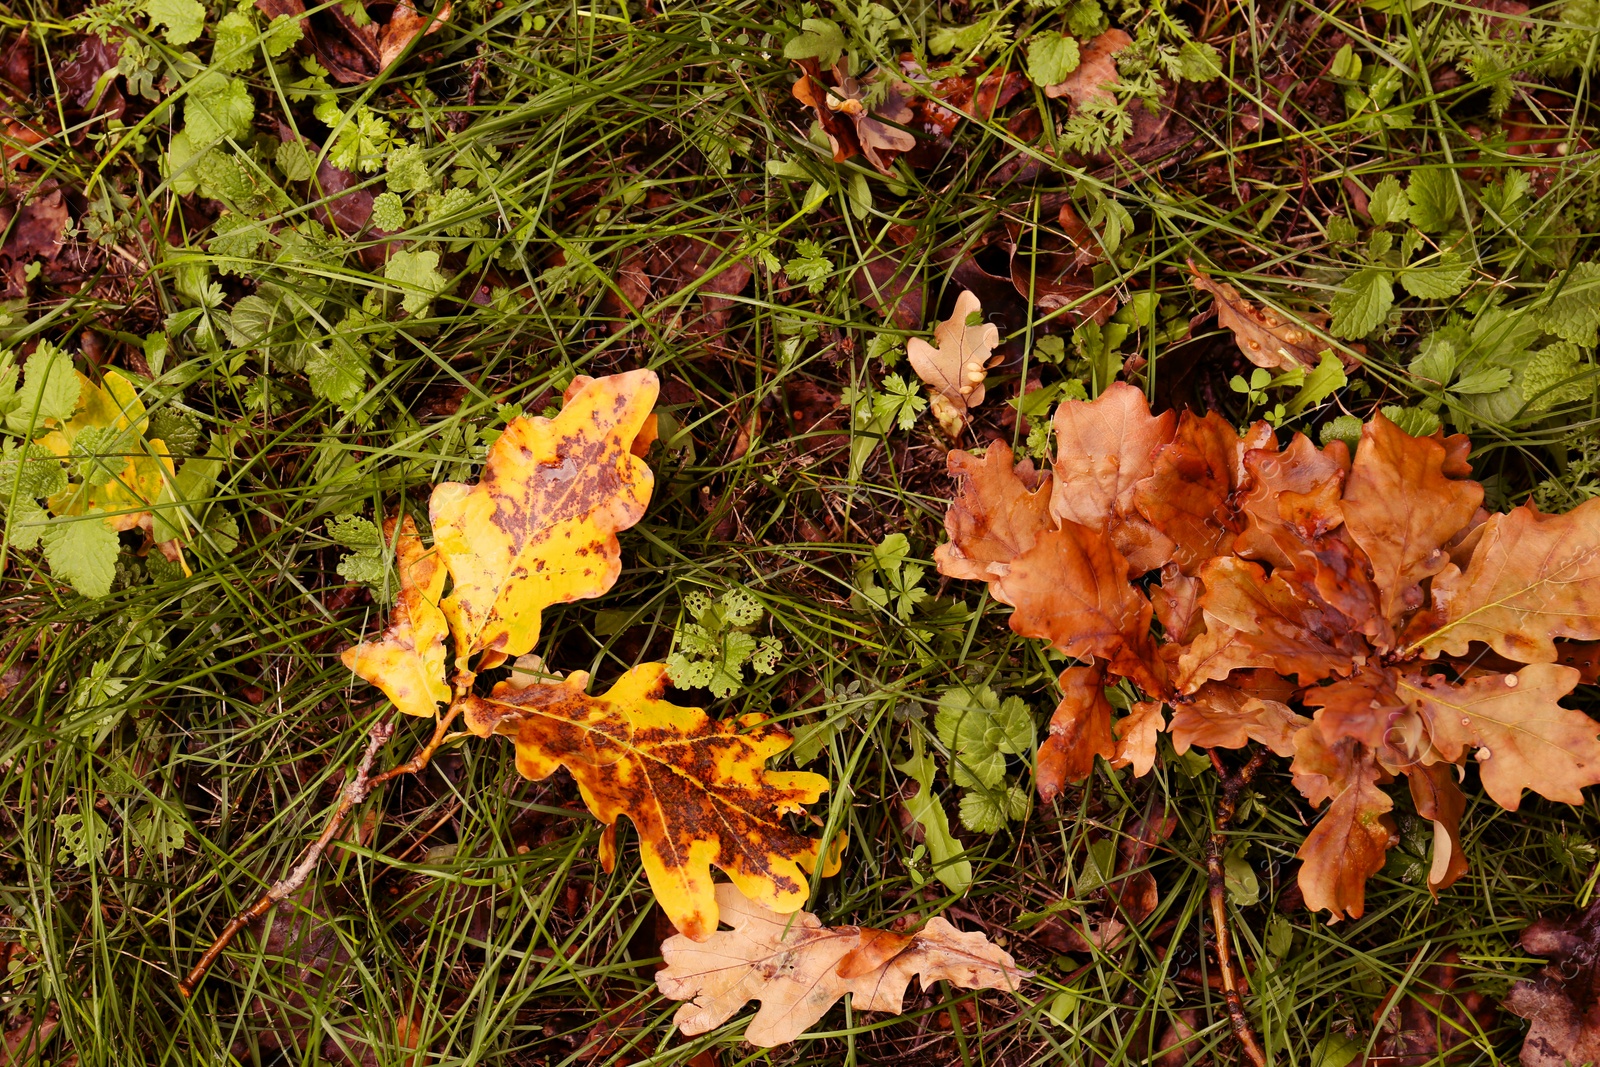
(540, 527)
(407, 661)
(798, 969)
(695, 789)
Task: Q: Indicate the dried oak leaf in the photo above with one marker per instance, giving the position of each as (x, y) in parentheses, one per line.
(1228, 716)
(1402, 509)
(1532, 578)
(1439, 799)
(1290, 500)
(540, 527)
(999, 511)
(1104, 448)
(1189, 495)
(869, 130)
(798, 969)
(1079, 731)
(695, 789)
(1348, 844)
(1562, 1001)
(407, 661)
(953, 367)
(1525, 739)
(1096, 70)
(1266, 338)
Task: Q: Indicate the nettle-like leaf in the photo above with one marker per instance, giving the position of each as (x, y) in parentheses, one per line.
(540, 528)
(1353, 614)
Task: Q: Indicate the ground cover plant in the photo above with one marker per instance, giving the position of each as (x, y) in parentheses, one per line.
(295, 295)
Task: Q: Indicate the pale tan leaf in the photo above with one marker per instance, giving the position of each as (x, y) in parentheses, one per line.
(1266, 337)
(953, 367)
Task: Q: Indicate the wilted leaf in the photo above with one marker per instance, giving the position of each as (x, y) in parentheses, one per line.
(1348, 844)
(1562, 1001)
(1104, 448)
(1222, 716)
(797, 968)
(540, 527)
(1533, 578)
(1266, 338)
(1189, 495)
(954, 365)
(1402, 509)
(1079, 731)
(695, 790)
(407, 662)
(1439, 800)
(1525, 739)
(999, 512)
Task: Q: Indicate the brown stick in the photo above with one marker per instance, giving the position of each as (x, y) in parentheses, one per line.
(355, 792)
(1232, 786)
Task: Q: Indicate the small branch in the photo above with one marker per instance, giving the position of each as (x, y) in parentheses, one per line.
(1216, 847)
(355, 792)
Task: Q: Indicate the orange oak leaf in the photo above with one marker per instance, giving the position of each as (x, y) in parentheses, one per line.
(1136, 734)
(1256, 621)
(1177, 604)
(695, 789)
(1267, 339)
(1402, 509)
(1439, 799)
(798, 968)
(1188, 496)
(1524, 738)
(1226, 716)
(1079, 731)
(999, 512)
(1533, 578)
(1358, 708)
(1348, 844)
(1071, 589)
(407, 661)
(1290, 499)
(953, 367)
(540, 527)
(1104, 447)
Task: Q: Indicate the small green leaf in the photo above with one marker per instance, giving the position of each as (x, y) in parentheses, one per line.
(1388, 202)
(1325, 379)
(1432, 193)
(1414, 421)
(417, 274)
(84, 837)
(1346, 428)
(160, 833)
(819, 39)
(82, 551)
(218, 107)
(1362, 304)
(1573, 313)
(1240, 879)
(1336, 1050)
(1554, 375)
(183, 19)
(50, 390)
(233, 49)
(1482, 380)
(1051, 57)
(949, 856)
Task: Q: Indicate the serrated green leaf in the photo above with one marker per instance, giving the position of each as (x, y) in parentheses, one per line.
(217, 107)
(183, 20)
(1051, 57)
(819, 39)
(1362, 304)
(1573, 314)
(417, 274)
(1414, 421)
(1346, 428)
(1445, 279)
(388, 212)
(1554, 375)
(338, 374)
(233, 42)
(982, 811)
(1432, 193)
(50, 390)
(283, 33)
(82, 551)
(1482, 380)
(1388, 202)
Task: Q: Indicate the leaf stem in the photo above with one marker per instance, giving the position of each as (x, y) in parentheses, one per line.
(354, 793)
(1216, 847)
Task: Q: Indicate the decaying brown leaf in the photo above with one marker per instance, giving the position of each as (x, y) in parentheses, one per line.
(838, 101)
(1562, 1001)
(1266, 338)
(1285, 576)
(954, 366)
(798, 969)
(1431, 1019)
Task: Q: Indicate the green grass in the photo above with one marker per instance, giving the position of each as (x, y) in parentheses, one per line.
(469, 917)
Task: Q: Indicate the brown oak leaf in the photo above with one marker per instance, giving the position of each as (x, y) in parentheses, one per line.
(1104, 448)
(999, 511)
(1402, 509)
(1267, 338)
(954, 366)
(798, 968)
(1079, 731)
(1348, 844)
(1096, 70)
(1562, 1001)
(1189, 494)
(1226, 716)
(1439, 799)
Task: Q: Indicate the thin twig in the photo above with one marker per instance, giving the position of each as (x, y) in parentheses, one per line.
(355, 792)
(1232, 786)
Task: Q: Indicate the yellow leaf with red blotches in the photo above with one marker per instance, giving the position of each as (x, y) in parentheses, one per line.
(695, 789)
(407, 661)
(540, 527)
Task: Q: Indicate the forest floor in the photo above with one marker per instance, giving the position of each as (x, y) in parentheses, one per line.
(333, 253)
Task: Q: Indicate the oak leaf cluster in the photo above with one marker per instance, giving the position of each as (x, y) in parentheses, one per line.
(1363, 616)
